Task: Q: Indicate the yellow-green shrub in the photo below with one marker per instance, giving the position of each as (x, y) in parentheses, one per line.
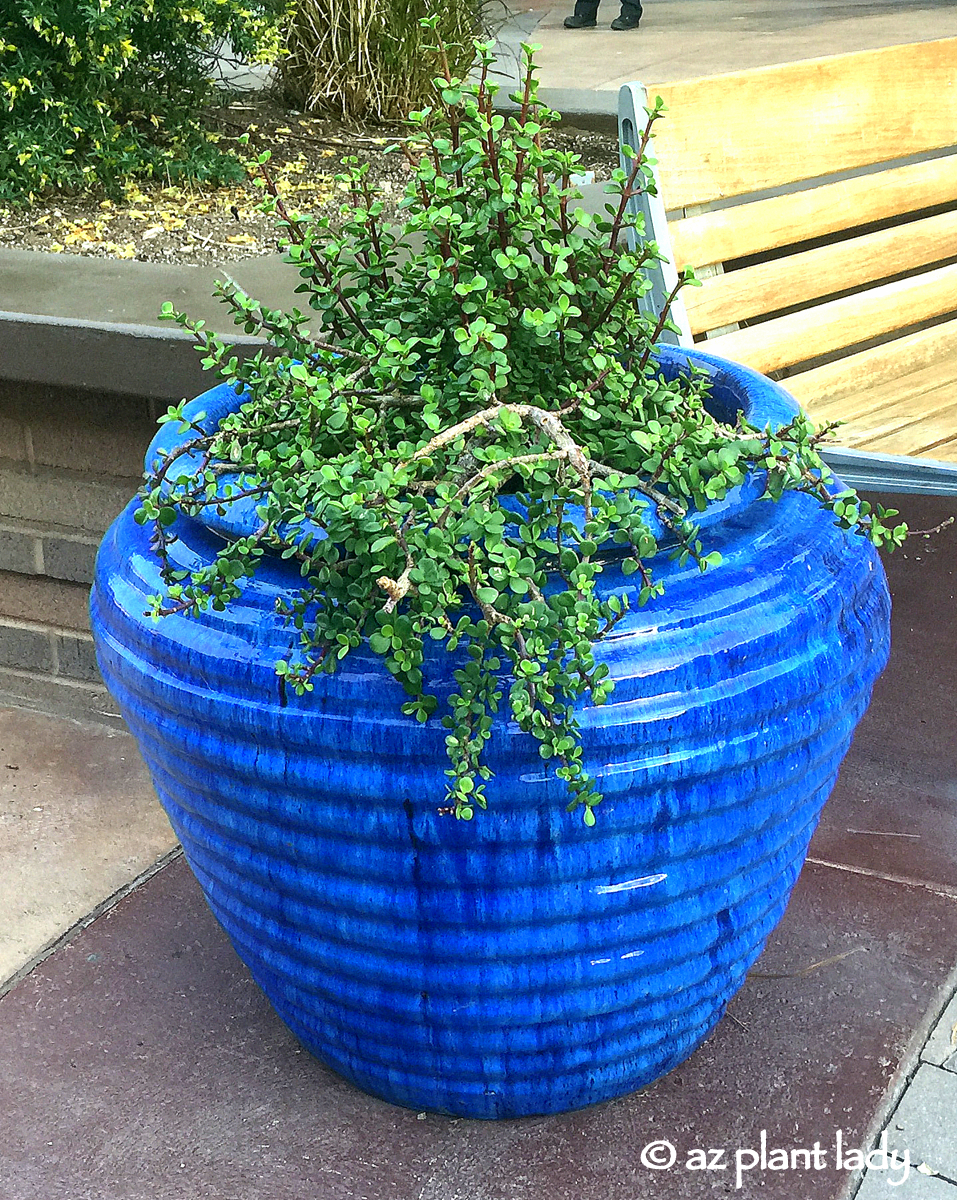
(93, 92)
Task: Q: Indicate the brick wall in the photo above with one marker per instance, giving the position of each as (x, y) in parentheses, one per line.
(70, 459)
(78, 407)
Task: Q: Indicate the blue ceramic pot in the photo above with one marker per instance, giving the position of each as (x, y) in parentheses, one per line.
(519, 963)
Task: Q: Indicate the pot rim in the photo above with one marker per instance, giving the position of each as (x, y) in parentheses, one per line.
(734, 389)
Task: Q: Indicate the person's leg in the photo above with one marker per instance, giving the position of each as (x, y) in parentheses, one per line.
(585, 15)
(630, 15)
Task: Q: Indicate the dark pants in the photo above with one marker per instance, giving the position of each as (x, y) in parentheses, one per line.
(589, 9)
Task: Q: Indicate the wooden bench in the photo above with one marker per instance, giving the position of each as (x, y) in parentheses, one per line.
(818, 202)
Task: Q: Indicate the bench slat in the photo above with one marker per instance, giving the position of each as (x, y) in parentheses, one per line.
(836, 324)
(913, 386)
(912, 414)
(862, 374)
(729, 233)
(893, 413)
(798, 278)
(943, 450)
(932, 437)
(735, 134)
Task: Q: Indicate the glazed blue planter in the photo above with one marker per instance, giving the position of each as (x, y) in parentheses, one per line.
(520, 963)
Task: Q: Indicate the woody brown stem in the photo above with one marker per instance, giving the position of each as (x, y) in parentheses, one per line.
(662, 320)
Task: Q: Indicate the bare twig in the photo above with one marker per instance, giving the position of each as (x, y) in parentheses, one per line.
(507, 464)
(662, 321)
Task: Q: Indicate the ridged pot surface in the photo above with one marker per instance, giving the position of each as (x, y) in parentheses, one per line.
(520, 963)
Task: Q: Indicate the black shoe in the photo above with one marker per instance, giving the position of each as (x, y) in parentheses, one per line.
(624, 22)
(576, 22)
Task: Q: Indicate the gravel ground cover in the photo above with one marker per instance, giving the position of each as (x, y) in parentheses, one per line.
(166, 222)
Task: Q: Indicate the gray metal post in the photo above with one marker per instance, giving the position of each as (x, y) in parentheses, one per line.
(632, 102)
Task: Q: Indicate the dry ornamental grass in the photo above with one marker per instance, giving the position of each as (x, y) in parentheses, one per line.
(369, 60)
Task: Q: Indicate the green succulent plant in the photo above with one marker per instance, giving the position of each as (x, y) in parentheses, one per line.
(462, 428)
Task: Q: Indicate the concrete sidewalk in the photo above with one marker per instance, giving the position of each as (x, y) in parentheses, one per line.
(582, 70)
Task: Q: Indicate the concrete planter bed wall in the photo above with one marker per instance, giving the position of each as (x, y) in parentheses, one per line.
(85, 370)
